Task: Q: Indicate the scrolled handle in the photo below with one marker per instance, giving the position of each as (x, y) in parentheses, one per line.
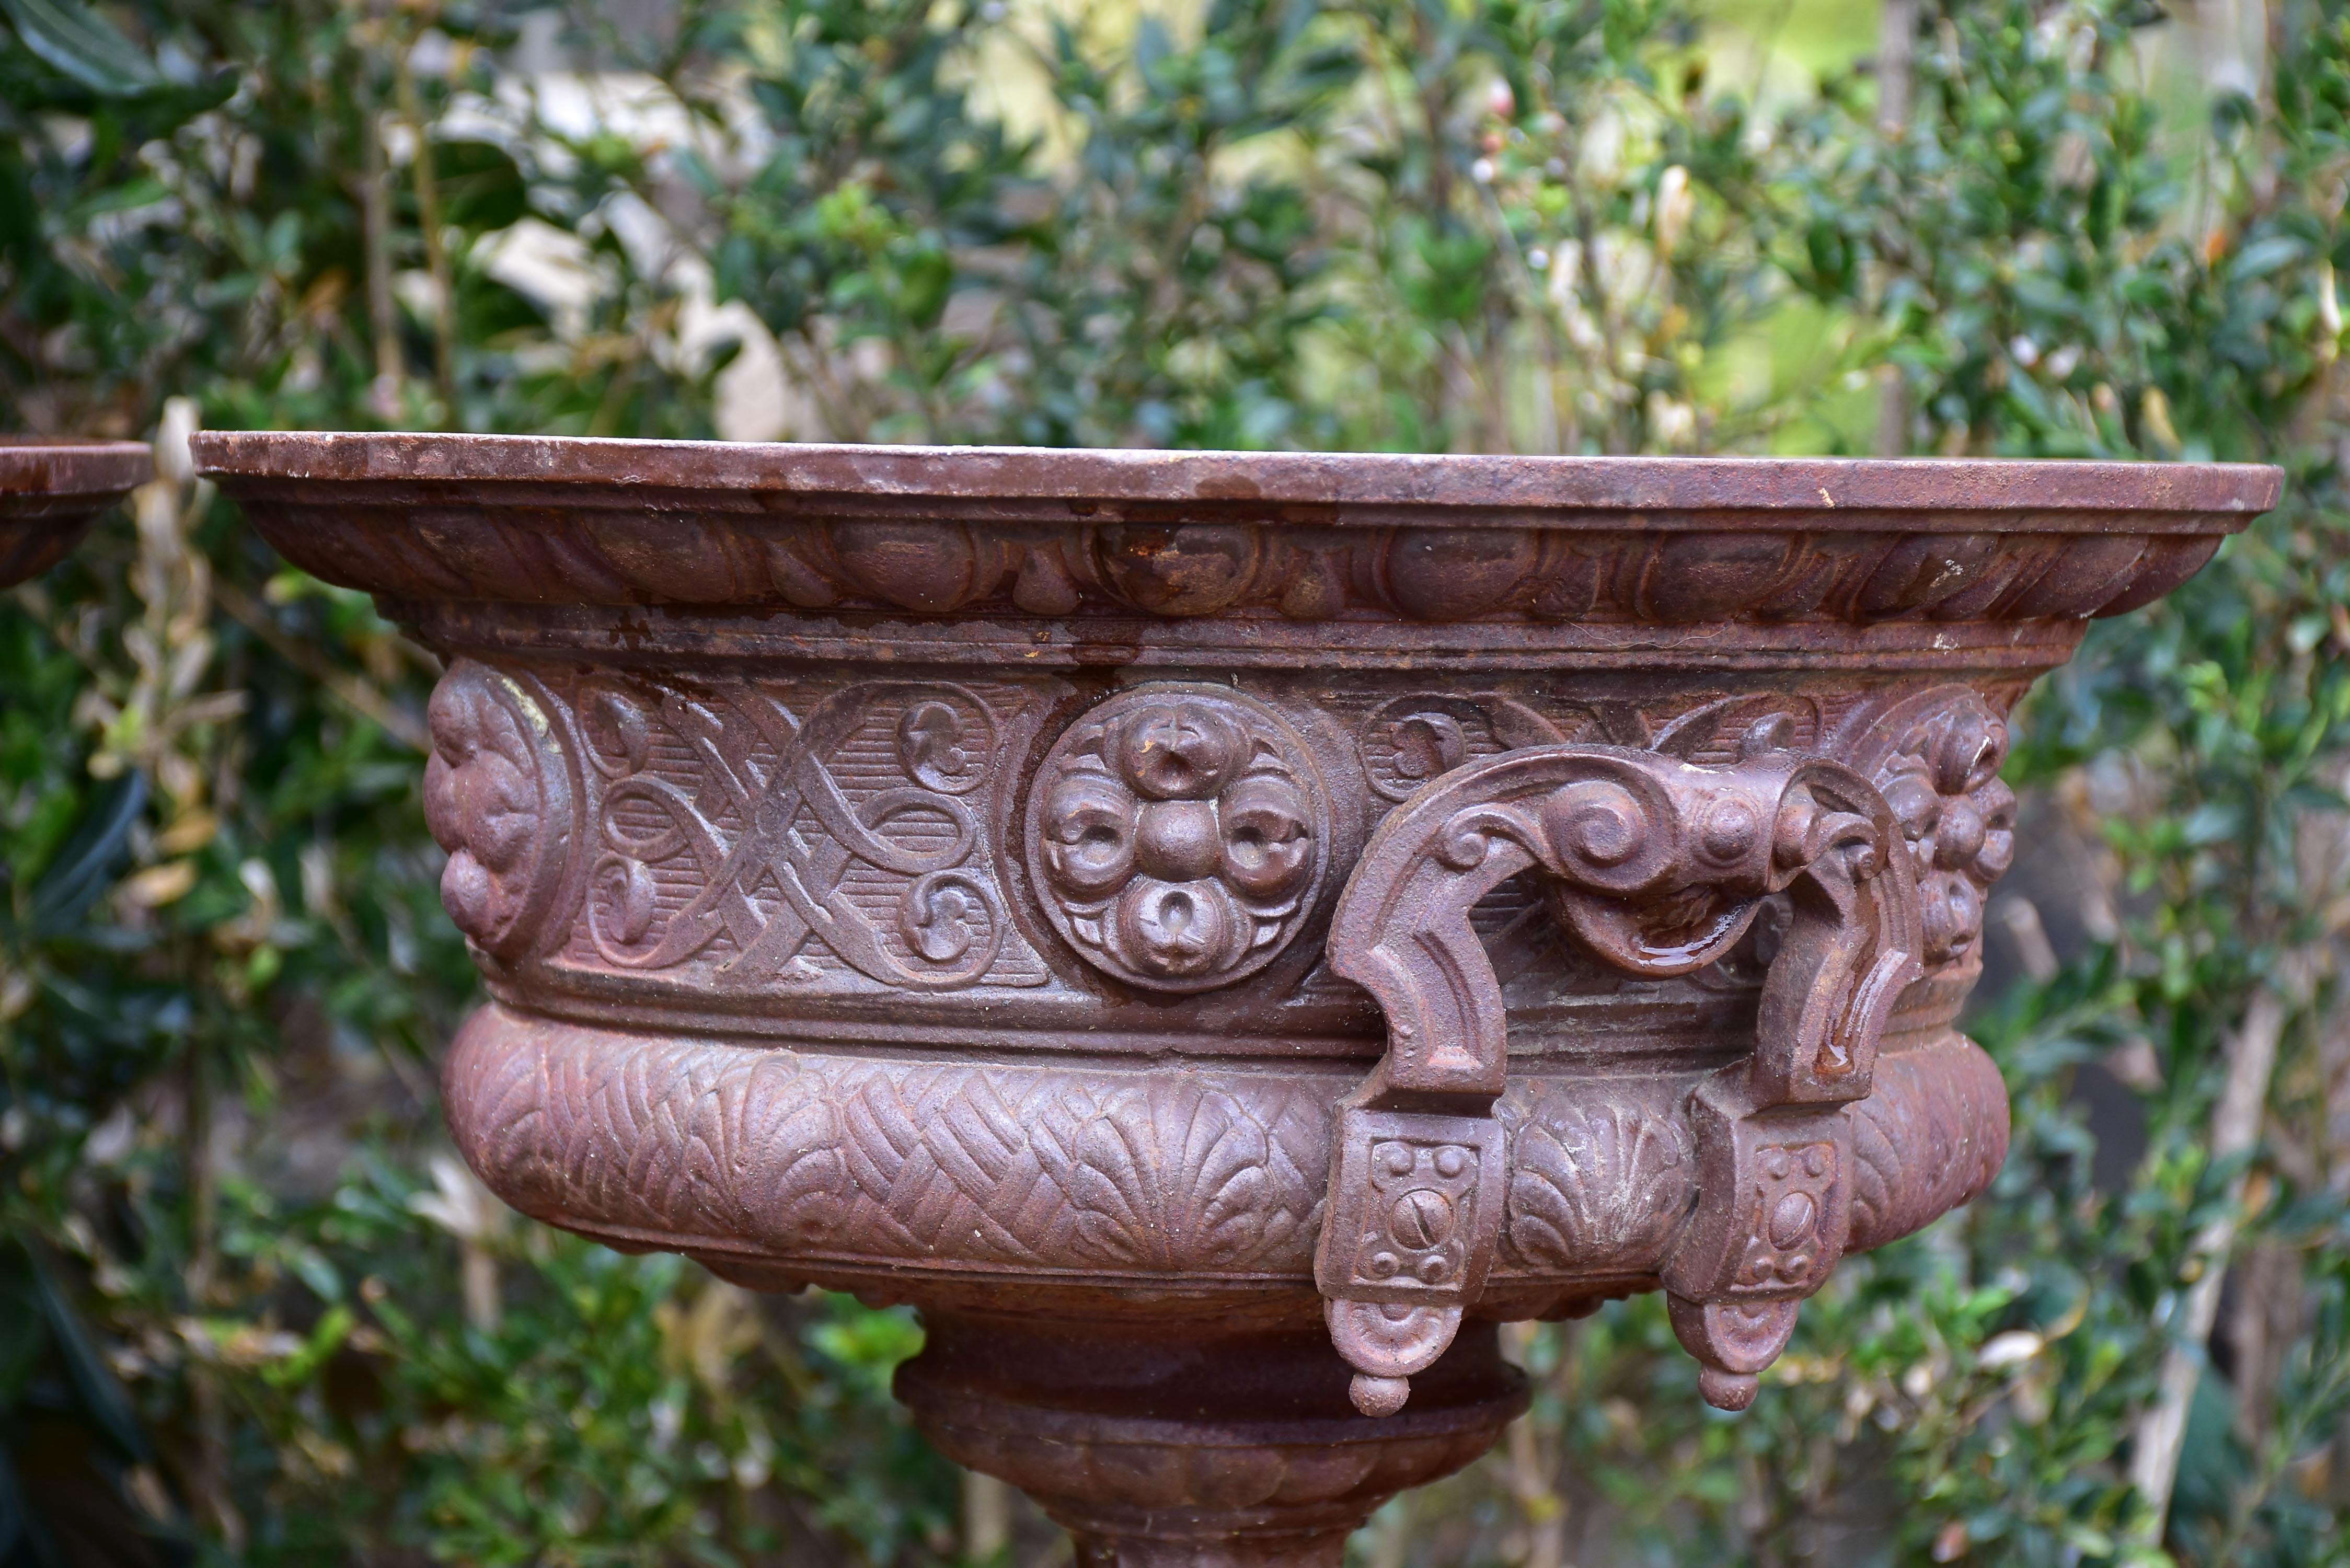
(1659, 868)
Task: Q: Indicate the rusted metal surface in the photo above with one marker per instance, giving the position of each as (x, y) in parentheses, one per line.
(52, 488)
(1016, 482)
(1161, 914)
(1657, 868)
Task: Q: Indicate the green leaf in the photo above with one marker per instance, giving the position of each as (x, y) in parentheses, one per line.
(2265, 256)
(86, 866)
(84, 44)
(334, 1327)
(481, 187)
(101, 1394)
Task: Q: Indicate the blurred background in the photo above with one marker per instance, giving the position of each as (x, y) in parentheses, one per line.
(252, 1309)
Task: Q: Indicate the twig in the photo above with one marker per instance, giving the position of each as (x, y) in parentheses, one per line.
(1531, 1470)
(207, 1476)
(2235, 1127)
(346, 688)
(436, 255)
(1896, 42)
(2277, 1450)
(2021, 916)
(987, 1516)
(375, 223)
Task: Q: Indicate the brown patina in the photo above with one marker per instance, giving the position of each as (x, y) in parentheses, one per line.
(52, 488)
(1219, 932)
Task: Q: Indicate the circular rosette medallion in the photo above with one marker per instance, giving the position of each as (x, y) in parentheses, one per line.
(1937, 760)
(1178, 836)
(497, 795)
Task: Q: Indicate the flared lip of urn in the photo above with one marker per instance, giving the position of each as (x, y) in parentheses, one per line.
(1308, 488)
(52, 488)
(36, 469)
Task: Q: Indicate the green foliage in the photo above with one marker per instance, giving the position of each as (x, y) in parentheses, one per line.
(617, 1412)
(251, 1312)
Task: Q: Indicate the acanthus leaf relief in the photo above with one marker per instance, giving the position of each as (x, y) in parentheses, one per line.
(768, 771)
(1166, 1175)
(1595, 1187)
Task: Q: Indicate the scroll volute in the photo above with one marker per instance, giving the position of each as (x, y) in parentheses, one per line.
(1659, 868)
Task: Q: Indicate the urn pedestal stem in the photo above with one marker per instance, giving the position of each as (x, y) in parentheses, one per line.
(1196, 1446)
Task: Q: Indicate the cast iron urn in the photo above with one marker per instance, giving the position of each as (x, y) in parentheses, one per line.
(52, 488)
(1220, 932)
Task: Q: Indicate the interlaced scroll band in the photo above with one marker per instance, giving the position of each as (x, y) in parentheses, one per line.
(800, 834)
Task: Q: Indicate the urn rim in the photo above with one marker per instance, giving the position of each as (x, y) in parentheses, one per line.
(1324, 488)
(46, 467)
(52, 488)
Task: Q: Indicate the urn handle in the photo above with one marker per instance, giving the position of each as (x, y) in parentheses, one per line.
(1660, 866)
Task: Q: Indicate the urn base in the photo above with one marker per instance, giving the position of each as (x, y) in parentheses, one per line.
(1168, 1445)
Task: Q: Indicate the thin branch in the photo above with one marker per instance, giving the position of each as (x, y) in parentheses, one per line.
(375, 221)
(428, 218)
(346, 688)
(1896, 46)
(2161, 1428)
(987, 1516)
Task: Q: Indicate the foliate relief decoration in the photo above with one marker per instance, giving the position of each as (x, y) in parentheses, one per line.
(711, 1142)
(776, 1153)
(1718, 731)
(498, 798)
(1596, 1185)
(1156, 1174)
(1169, 1173)
(1937, 767)
(850, 833)
(1930, 1136)
(718, 1148)
(1178, 836)
(1856, 575)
